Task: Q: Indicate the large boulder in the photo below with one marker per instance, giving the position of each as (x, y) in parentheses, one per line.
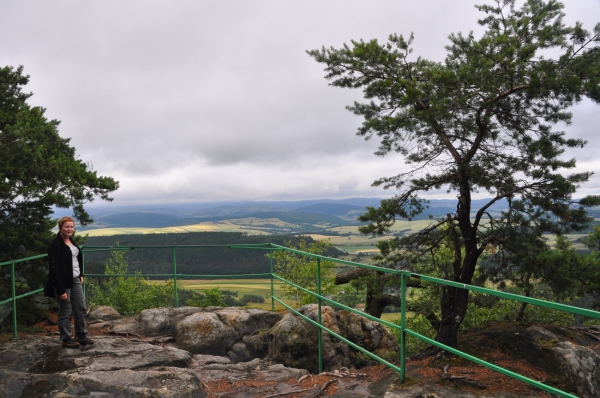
(570, 354)
(162, 321)
(293, 341)
(205, 333)
(103, 313)
(247, 321)
(221, 331)
(370, 335)
(107, 318)
(581, 366)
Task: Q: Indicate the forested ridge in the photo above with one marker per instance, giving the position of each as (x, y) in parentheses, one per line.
(192, 261)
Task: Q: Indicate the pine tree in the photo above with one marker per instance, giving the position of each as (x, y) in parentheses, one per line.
(483, 120)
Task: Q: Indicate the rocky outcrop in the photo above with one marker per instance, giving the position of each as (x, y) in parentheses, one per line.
(294, 341)
(570, 354)
(162, 321)
(199, 351)
(212, 368)
(116, 366)
(204, 333)
(243, 335)
(106, 318)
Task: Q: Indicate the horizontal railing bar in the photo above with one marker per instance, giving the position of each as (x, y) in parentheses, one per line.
(224, 276)
(21, 296)
(491, 365)
(179, 275)
(337, 336)
(87, 250)
(246, 246)
(6, 301)
(129, 275)
(511, 296)
(23, 259)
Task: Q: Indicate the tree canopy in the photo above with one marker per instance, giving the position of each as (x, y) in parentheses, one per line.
(484, 119)
(38, 170)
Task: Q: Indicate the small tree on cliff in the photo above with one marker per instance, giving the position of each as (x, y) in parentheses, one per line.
(302, 270)
(481, 120)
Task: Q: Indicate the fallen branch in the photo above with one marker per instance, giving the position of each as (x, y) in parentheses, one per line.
(317, 394)
(322, 390)
(462, 379)
(300, 380)
(343, 372)
(287, 393)
(125, 334)
(586, 331)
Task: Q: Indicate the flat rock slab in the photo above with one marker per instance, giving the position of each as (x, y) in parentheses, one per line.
(37, 366)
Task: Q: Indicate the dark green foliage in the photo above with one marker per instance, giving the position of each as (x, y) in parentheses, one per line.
(251, 298)
(351, 295)
(302, 270)
(481, 121)
(210, 297)
(193, 261)
(38, 169)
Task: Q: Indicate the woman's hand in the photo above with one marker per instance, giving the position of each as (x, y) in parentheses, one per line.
(63, 296)
(81, 280)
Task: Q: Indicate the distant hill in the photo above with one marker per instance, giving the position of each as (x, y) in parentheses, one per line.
(281, 216)
(332, 209)
(138, 220)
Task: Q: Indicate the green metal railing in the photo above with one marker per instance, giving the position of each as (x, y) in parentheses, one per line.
(403, 274)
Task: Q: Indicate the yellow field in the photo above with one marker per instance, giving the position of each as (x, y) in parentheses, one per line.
(356, 242)
(221, 226)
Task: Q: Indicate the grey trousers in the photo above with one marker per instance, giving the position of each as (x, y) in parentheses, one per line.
(75, 301)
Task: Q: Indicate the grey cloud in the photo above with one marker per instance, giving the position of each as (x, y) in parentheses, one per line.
(187, 99)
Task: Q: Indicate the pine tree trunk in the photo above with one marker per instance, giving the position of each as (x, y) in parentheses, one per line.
(454, 307)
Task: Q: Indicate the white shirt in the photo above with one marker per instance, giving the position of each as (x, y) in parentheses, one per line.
(75, 253)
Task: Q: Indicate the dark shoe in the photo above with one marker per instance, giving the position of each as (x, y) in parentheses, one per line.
(83, 340)
(70, 343)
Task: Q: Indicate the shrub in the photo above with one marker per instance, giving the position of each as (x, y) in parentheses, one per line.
(128, 295)
(251, 298)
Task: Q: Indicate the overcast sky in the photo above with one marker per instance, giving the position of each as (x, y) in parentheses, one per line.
(217, 100)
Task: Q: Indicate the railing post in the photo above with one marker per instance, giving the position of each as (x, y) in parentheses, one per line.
(320, 319)
(14, 301)
(402, 326)
(175, 277)
(272, 281)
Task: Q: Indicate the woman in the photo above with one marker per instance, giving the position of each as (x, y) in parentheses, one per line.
(65, 260)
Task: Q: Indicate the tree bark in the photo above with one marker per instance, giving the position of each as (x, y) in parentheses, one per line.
(347, 277)
(376, 299)
(454, 300)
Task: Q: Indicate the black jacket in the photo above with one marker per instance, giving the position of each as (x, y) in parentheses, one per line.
(60, 261)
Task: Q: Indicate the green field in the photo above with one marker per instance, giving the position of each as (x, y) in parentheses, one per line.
(259, 287)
